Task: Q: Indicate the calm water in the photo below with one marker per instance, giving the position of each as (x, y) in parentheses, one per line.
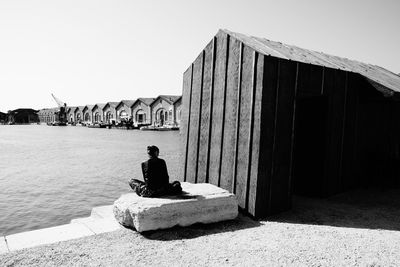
(50, 175)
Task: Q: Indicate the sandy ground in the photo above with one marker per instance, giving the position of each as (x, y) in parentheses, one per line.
(361, 228)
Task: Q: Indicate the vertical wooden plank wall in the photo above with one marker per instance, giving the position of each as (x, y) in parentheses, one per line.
(256, 137)
(195, 114)
(223, 96)
(203, 150)
(336, 89)
(279, 196)
(267, 130)
(244, 127)
(218, 108)
(349, 159)
(228, 163)
(185, 120)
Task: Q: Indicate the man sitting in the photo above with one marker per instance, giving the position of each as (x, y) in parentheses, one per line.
(156, 179)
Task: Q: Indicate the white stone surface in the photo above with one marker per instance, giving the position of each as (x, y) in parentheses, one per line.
(99, 225)
(47, 236)
(200, 203)
(3, 245)
(102, 212)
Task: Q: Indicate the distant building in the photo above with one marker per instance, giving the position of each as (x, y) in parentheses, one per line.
(109, 112)
(22, 116)
(141, 110)
(163, 110)
(124, 109)
(71, 114)
(78, 114)
(47, 115)
(3, 117)
(98, 114)
(87, 114)
(177, 111)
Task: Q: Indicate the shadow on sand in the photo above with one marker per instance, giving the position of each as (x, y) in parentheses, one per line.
(197, 230)
(370, 208)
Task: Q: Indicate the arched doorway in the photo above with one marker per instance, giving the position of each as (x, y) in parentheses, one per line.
(78, 117)
(161, 116)
(71, 118)
(97, 117)
(123, 115)
(87, 117)
(109, 116)
(140, 116)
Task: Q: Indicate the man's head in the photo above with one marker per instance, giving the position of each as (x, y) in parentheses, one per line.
(153, 151)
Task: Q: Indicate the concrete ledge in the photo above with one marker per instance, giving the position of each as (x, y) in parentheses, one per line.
(99, 225)
(200, 203)
(47, 236)
(3, 245)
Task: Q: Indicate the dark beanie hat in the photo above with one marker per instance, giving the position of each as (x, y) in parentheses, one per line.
(151, 150)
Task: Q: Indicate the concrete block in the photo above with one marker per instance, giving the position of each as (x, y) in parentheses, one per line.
(3, 245)
(97, 225)
(102, 212)
(200, 203)
(47, 236)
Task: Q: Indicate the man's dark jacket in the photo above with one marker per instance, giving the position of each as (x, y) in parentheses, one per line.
(155, 173)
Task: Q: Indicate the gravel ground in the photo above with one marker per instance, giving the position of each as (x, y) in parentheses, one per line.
(360, 228)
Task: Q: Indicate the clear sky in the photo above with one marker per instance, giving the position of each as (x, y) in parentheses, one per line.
(95, 51)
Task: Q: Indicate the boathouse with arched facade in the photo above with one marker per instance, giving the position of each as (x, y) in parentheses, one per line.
(163, 110)
(141, 111)
(124, 110)
(98, 114)
(109, 112)
(87, 114)
(71, 114)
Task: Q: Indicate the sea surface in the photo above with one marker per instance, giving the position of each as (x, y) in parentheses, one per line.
(50, 175)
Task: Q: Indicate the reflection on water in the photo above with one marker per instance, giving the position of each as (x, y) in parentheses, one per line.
(50, 175)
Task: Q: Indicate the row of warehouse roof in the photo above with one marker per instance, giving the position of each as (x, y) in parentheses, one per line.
(162, 110)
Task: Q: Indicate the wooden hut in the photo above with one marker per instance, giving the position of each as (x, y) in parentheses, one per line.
(267, 120)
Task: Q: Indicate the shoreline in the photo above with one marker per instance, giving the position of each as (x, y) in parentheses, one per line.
(350, 229)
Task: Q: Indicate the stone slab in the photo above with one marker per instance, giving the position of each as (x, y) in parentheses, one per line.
(99, 225)
(47, 236)
(200, 203)
(102, 212)
(3, 245)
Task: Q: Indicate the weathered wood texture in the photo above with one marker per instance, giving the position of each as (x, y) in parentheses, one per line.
(255, 137)
(218, 108)
(244, 126)
(185, 119)
(335, 87)
(228, 163)
(202, 169)
(280, 173)
(239, 128)
(195, 117)
(267, 129)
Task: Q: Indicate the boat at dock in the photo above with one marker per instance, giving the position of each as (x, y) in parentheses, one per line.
(159, 128)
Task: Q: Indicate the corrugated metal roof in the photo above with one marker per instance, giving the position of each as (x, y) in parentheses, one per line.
(382, 79)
